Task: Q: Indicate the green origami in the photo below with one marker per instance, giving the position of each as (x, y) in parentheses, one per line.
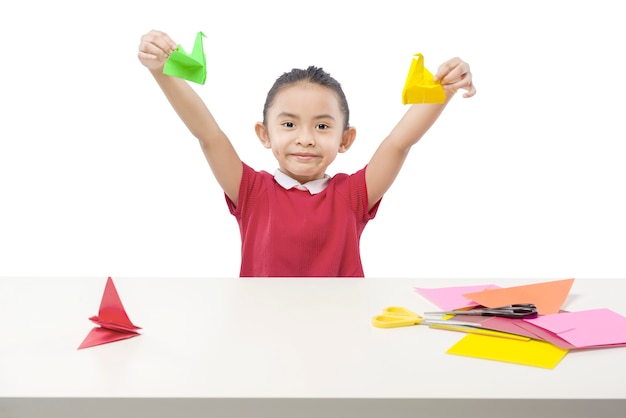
(190, 67)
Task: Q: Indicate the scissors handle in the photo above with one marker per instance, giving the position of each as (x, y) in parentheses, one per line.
(394, 321)
(397, 316)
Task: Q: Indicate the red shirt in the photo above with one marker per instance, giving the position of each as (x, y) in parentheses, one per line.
(292, 233)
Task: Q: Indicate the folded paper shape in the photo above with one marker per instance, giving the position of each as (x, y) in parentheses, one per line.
(479, 331)
(451, 298)
(190, 67)
(585, 329)
(112, 318)
(528, 353)
(522, 327)
(511, 326)
(420, 86)
(549, 297)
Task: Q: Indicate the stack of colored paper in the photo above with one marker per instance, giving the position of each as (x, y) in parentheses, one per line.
(551, 335)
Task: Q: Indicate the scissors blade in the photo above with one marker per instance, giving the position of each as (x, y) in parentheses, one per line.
(515, 311)
(451, 323)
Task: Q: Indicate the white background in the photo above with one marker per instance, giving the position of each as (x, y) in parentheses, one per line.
(527, 179)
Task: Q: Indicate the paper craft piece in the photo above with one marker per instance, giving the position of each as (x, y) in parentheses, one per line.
(420, 86)
(528, 353)
(549, 297)
(520, 327)
(451, 298)
(190, 67)
(112, 318)
(481, 331)
(510, 326)
(585, 329)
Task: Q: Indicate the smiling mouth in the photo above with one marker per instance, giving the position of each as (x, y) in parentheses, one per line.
(304, 156)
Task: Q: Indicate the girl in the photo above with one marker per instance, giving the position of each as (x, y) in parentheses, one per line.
(300, 222)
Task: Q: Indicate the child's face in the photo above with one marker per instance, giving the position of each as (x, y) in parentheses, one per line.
(305, 130)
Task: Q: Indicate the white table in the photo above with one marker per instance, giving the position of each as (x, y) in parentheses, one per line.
(279, 347)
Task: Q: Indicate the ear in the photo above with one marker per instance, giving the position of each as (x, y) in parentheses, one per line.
(261, 132)
(348, 139)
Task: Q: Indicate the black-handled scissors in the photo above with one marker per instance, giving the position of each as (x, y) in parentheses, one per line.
(515, 311)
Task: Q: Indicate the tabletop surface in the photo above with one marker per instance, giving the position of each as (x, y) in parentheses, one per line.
(274, 338)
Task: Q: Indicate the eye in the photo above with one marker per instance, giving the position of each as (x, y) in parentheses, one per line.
(322, 126)
(288, 124)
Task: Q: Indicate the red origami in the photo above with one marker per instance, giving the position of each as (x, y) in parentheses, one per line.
(112, 318)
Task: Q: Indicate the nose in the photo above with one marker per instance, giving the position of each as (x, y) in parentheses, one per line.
(305, 138)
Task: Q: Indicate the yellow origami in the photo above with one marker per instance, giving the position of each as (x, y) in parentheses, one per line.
(420, 86)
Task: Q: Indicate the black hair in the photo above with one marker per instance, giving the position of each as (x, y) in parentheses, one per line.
(313, 75)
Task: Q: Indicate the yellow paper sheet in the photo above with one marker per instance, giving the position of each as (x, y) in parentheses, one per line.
(528, 353)
(420, 86)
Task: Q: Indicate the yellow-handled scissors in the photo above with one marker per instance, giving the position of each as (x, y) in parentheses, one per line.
(397, 316)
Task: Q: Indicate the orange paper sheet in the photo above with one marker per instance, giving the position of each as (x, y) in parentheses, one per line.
(549, 297)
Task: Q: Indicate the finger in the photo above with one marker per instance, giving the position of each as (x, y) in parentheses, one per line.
(470, 91)
(445, 68)
(143, 56)
(152, 49)
(456, 74)
(462, 85)
(456, 86)
(159, 40)
(158, 35)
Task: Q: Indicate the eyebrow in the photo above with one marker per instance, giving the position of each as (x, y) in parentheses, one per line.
(294, 116)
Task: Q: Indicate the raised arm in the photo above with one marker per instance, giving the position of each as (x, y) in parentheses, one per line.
(154, 49)
(388, 159)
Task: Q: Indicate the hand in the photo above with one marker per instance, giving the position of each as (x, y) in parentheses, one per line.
(455, 74)
(155, 48)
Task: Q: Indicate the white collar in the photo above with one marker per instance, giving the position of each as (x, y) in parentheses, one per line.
(314, 186)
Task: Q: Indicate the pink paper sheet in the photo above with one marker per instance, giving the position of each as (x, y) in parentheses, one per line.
(589, 328)
(450, 298)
